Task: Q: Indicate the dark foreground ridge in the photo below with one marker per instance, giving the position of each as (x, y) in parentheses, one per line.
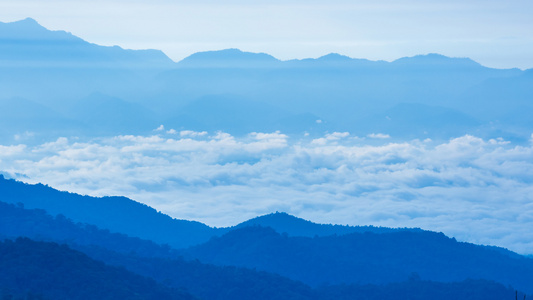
(38, 270)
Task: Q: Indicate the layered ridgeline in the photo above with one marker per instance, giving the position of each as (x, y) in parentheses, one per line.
(120, 214)
(37, 270)
(295, 260)
(54, 83)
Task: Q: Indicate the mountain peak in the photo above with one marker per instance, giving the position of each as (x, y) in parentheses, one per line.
(334, 57)
(30, 29)
(228, 58)
(28, 23)
(434, 59)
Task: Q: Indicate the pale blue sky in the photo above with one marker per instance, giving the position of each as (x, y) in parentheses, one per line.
(494, 33)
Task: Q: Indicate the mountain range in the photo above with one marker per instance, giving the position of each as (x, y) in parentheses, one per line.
(83, 89)
(60, 245)
(272, 256)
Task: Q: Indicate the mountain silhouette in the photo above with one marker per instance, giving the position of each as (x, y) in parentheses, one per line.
(431, 95)
(284, 223)
(118, 214)
(104, 115)
(49, 271)
(166, 266)
(364, 258)
(27, 44)
(228, 58)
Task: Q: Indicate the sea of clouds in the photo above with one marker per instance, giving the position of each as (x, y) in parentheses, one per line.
(476, 190)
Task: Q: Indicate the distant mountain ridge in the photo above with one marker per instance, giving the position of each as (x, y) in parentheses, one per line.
(56, 69)
(228, 58)
(26, 43)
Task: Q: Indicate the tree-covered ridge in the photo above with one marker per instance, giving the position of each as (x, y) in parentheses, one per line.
(37, 224)
(146, 258)
(365, 257)
(284, 223)
(57, 272)
(364, 265)
(118, 214)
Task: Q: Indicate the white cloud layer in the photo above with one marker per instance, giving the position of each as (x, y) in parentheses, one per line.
(475, 190)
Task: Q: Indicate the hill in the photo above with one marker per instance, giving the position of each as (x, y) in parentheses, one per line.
(365, 257)
(284, 223)
(118, 214)
(205, 281)
(54, 67)
(424, 96)
(143, 257)
(52, 271)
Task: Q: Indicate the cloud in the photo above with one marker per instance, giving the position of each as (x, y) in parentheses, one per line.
(378, 136)
(335, 136)
(6, 151)
(473, 189)
(192, 133)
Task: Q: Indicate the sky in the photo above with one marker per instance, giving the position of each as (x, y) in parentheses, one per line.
(472, 189)
(494, 33)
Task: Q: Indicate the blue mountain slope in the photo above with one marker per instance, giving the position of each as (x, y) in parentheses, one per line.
(50, 66)
(37, 224)
(19, 116)
(237, 115)
(38, 270)
(207, 281)
(145, 258)
(350, 91)
(104, 115)
(228, 58)
(55, 68)
(293, 226)
(27, 44)
(118, 214)
(364, 257)
(415, 120)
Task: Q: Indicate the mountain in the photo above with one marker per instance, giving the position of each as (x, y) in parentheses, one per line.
(415, 120)
(49, 271)
(104, 115)
(164, 266)
(240, 116)
(353, 94)
(53, 67)
(416, 289)
(284, 223)
(37, 224)
(20, 117)
(228, 58)
(118, 214)
(146, 258)
(364, 258)
(424, 96)
(27, 44)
